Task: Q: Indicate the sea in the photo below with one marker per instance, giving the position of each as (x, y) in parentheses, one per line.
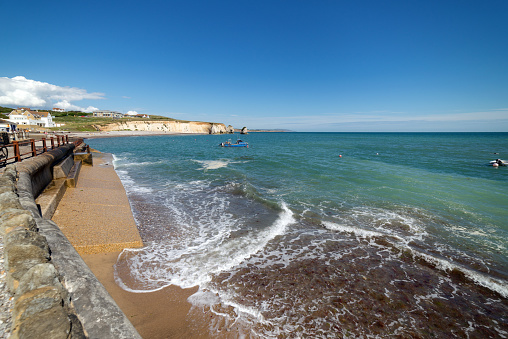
(322, 235)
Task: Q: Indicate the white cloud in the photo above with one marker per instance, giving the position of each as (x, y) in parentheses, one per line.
(132, 113)
(22, 92)
(70, 107)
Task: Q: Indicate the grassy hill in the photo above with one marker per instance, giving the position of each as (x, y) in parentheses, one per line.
(82, 122)
(4, 111)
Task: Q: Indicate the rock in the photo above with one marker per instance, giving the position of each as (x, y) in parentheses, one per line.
(6, 185)
(77, 331)
(36, 301)
(51, 323)
(41, 275)
(13, 218)
(244, 131)
(230, 129)
(23, 249)
(9, 200)
(10, 173)
(217, 129)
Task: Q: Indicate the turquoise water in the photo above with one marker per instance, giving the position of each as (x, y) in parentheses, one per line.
(319, 234)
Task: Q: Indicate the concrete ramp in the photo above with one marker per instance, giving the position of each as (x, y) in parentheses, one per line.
(96, 215)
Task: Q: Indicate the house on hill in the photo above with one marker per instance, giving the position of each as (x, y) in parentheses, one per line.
(108, 114)
(25, 116)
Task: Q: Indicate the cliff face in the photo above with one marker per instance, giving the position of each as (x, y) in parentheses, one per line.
(167, 126)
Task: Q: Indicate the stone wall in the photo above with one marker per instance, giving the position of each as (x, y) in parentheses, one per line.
(42, 306)
(55, 293)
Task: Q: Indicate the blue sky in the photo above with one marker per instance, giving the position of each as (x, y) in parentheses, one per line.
(299, 65)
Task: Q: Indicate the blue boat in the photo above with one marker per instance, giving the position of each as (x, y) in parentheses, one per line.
(238, 143)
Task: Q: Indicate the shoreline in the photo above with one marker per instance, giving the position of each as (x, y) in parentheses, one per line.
(159, 314)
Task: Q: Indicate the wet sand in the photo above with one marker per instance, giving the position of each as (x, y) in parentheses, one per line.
(160, 314)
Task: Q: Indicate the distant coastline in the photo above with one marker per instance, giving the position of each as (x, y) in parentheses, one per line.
(265, 130)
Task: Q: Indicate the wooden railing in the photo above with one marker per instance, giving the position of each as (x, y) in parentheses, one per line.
(17, 146)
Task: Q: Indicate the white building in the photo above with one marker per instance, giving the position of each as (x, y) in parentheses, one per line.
(25, 116)
(7, 126)
(108, 114)
(47, 119)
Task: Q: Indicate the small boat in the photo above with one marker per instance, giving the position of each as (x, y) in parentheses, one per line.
(238, 143)
(499, 162)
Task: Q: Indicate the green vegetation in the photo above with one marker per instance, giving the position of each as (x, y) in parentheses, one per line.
(4, 111)
(83, 122)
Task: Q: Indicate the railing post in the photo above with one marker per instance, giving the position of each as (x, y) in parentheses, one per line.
(88, 149)
(17, 155)
(67, 139)
(34, 150)
(44, 147)
(52, 143)
(58, 140)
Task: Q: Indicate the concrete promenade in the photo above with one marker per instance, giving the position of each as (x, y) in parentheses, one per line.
(96, 215)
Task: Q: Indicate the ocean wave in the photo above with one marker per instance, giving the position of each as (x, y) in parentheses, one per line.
(212, 164)
(194, 258)
(130, 185)
(249, 191)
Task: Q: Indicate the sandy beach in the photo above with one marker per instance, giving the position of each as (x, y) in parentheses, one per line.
(160, 314)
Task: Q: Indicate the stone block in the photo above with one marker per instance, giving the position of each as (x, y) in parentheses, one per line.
(62, 169)
(10, 172)
(9, 200)
(6, 185)
(23, 249)
(39, 276)
(13, 218)
(52, 323)
(36, 301)
(86, 158)
(72, 178)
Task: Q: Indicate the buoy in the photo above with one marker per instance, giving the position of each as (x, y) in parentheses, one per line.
(495, 165)
(340, 155)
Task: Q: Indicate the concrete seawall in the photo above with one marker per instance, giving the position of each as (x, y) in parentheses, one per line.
(55, 293)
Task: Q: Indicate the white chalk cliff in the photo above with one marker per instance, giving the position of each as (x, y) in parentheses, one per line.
(167, 126)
